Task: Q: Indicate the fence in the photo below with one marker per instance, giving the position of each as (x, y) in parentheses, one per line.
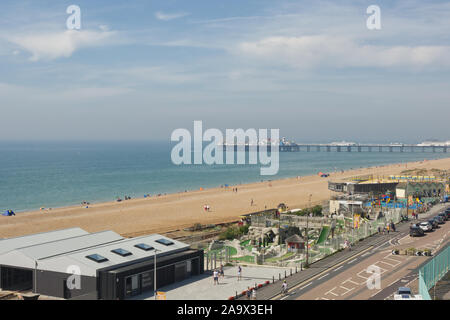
(339, 240)
(432, 272)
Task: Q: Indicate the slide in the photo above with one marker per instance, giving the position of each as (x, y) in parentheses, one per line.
(324, 234)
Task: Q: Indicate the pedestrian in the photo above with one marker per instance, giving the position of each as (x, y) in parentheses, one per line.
(284, 287)
(239, 273)
(222, 273)
(254, 294)
(251, 203)
(248, 293)
(216, 277)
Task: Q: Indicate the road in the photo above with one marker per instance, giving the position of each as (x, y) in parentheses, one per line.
(348, 279)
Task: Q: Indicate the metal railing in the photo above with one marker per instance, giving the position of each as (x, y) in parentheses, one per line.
(432, 272)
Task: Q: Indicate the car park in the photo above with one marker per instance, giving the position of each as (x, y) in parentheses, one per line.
(426, 226)
(415, 231)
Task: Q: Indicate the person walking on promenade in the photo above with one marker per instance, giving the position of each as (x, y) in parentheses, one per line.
(248, 293)
(284, 287)
(221, 272)
(239, 273)
(254, 294)
(216, 277)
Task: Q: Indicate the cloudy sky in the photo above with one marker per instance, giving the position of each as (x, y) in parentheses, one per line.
(140, 69)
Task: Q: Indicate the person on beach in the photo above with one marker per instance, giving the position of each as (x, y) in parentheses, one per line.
(251, 203)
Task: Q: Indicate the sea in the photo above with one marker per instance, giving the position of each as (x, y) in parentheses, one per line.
(53, 174)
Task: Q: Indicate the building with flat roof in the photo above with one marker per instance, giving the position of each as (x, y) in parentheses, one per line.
(100, 265)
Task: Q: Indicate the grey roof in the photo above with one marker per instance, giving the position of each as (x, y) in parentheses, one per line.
(58, 252)
(27, 256)
(19, 242)
(88, 267)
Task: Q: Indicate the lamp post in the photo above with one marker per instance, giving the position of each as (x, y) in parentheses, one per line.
(154, 275)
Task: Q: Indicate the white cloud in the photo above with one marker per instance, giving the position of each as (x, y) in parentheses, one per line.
(170, 16)
(341, 52)
(53, 45)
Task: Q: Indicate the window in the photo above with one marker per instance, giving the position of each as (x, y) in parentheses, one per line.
(164, 242)
(97, 258)
(144, 247)
(121, 252)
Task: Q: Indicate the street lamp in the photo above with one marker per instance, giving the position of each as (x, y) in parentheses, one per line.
(154, 275)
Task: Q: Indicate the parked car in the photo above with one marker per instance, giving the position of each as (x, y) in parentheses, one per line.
(426, 226)
(434, 223)
(415, 231)
(443, 215)
(439, 219)
(447, 211)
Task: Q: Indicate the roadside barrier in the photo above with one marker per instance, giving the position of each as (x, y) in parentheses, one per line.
(432, 272)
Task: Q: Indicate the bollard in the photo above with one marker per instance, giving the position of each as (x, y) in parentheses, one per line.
(284, 273)
(295, 269)
(290, 271)
(273, 279)
(279, 276)
(236, 295)
(301, 266)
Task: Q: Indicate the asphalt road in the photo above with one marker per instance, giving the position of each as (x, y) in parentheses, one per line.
(348, 279)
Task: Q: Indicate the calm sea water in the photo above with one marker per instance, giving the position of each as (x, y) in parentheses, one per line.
(55, 174)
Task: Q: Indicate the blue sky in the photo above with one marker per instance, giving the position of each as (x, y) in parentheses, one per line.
(140, 69)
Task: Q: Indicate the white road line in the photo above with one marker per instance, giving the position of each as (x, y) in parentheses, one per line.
(305, 286)
(323, 276)
(365, 254)
(332, 292)
(351, 261)
(338, 268)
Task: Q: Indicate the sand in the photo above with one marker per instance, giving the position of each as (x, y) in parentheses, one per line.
(181, 210)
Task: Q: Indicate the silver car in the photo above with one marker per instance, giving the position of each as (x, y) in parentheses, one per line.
(426, 226)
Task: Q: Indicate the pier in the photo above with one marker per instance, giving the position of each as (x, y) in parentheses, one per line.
(304, 147)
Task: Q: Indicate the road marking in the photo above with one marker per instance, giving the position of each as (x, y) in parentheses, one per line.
(338, 268)
(365, 254)
(305, 286)
(340, 264)
(352, 261)
(331, 291)
(323, 276)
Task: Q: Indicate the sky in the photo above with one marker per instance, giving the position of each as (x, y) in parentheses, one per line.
(137, 70)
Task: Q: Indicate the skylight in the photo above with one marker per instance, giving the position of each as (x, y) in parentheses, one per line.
(121, 252)
(97, 258)
(144, 246)
(164, 242)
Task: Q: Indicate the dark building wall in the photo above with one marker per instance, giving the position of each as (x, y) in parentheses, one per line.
(372, 187)
(55, 284)
(169, 270)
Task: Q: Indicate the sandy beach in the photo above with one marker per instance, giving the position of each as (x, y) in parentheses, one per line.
(181, 210)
